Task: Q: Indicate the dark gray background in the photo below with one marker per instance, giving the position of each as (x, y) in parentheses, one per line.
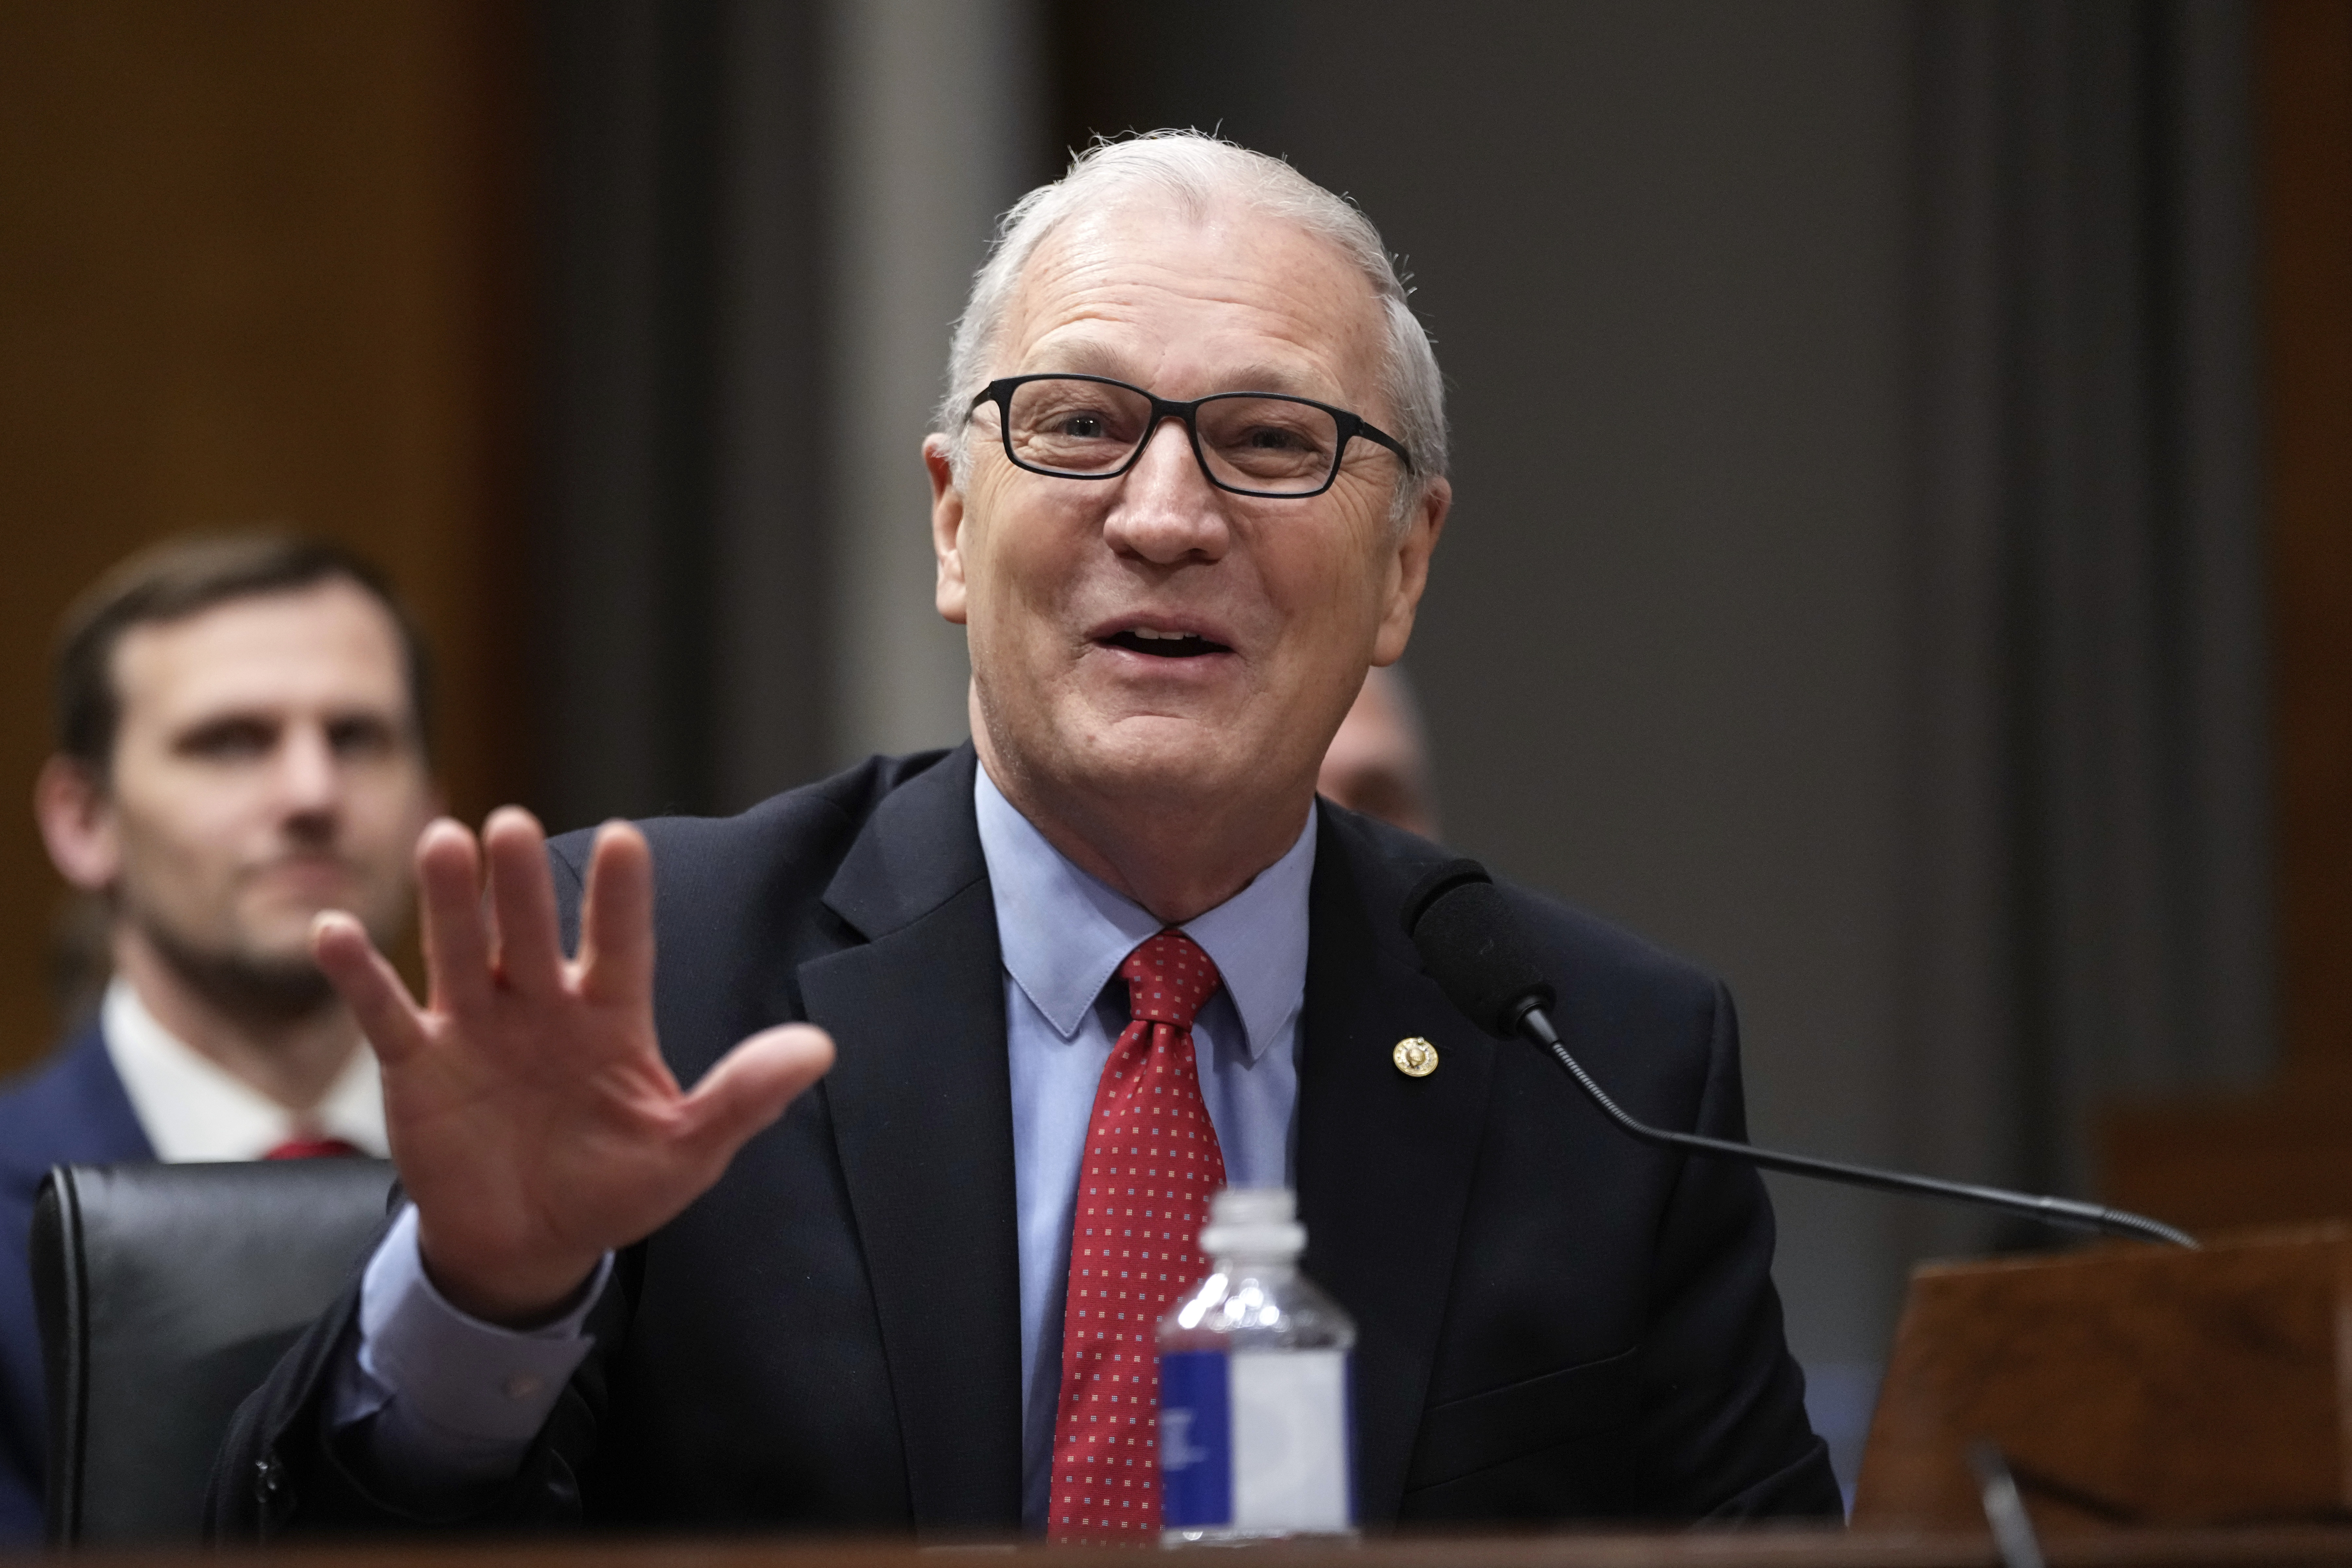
(1854, 578)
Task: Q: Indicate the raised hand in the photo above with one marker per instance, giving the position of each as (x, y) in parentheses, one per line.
(533, 1120)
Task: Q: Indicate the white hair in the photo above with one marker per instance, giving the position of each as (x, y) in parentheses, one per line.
(1197, 171)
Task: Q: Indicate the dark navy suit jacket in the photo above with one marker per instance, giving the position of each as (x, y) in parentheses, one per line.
(69, 1111)
(1555, 1321)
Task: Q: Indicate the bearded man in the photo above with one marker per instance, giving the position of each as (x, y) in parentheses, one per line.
(240, 744)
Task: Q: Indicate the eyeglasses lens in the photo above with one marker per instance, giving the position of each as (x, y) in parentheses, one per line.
(1271, 445)
(1077, 426)
(1268, 444)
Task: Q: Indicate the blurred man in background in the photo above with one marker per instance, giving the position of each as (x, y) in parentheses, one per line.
(240, 744)
(1378, 762)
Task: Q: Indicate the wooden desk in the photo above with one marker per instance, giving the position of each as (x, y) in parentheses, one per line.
(2128, 1385)
(2314, 1547)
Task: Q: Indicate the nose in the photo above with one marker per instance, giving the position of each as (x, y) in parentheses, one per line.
(1166, 510)
(309, 784)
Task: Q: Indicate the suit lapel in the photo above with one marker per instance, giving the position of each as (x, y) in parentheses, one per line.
(921, 1106)
(1384, 1160)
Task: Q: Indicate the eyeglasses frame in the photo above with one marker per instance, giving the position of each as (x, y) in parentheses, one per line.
(1000, 392)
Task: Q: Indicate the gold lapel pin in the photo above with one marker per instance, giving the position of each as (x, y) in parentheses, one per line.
(1414, 1057)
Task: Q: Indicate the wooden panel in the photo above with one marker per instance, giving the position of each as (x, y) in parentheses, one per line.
(2219, 1164)
(2125, 1385)
(261, 263)
(2287, 1154)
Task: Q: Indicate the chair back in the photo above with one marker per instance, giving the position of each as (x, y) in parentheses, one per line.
(165, 1294)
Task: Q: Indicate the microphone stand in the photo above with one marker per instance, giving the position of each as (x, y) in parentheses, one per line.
(2068, 1212)
(1470, 946)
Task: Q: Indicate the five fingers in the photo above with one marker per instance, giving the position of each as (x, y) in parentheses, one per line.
(479, 948)
(745, 1091)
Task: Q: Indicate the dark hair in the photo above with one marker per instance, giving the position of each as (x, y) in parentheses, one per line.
(182, 577)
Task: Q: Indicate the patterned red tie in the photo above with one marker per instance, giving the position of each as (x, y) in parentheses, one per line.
(1151, 1162)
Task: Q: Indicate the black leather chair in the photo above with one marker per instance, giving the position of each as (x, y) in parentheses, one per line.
(165, 1294)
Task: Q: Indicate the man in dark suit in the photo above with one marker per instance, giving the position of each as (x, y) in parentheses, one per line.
(1171, 512)
(238, 748)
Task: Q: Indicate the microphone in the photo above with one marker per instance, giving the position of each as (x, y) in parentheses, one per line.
(1473, 948)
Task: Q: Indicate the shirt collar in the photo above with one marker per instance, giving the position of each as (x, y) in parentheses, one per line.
(192, 1109)
(1065, 934)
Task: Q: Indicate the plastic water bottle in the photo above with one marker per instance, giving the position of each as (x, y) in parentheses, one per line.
(1257, 1424)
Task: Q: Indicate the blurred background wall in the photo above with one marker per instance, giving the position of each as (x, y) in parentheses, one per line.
(1901, 557)
(266, 264)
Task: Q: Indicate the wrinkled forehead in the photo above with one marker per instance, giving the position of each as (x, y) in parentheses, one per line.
(1188, 303)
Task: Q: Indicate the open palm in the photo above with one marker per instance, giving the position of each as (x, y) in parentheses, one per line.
(534, 1122)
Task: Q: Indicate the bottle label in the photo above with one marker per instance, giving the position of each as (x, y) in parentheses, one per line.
(1255, 1441)
(1196, 1450)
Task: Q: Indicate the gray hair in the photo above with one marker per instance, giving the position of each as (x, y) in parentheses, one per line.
(1196, 171)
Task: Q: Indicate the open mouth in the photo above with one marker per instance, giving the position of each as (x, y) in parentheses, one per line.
(1164, 645)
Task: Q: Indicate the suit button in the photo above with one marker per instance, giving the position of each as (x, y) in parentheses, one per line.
(268, 1478)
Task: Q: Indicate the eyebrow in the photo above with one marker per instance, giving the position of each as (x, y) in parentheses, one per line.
(274, 716)
(223, 718)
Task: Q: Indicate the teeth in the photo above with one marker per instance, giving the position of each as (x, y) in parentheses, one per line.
(1148, 634)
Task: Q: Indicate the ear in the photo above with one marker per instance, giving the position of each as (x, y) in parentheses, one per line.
(1409, 570)
(77, 824)
(947, 528)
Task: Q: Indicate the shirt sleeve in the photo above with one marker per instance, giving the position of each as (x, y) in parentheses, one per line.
(444, 1401)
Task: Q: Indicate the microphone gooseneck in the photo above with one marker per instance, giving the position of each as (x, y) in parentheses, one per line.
(1472, 947)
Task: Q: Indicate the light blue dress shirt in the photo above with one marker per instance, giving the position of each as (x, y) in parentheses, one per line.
(456, 1402)
(1064, 935)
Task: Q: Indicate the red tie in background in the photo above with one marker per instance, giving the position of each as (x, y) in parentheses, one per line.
(1151, 1162)
(313, 1149)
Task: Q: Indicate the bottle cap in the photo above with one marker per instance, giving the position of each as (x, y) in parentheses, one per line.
(1254, 1222)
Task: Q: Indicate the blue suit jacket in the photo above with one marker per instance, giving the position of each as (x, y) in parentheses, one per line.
(70, 1110)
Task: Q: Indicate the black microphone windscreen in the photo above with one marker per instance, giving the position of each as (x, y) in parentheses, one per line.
(1472, 947)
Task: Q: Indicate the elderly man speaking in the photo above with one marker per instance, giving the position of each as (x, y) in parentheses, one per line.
(1186, 482)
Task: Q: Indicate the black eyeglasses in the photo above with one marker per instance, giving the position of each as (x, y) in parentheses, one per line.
(1251, 443)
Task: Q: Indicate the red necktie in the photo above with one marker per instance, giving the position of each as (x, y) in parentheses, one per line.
(313, 1148)
(1151, 1162)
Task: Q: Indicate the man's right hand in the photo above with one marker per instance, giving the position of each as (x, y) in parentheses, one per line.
(534, 1122)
